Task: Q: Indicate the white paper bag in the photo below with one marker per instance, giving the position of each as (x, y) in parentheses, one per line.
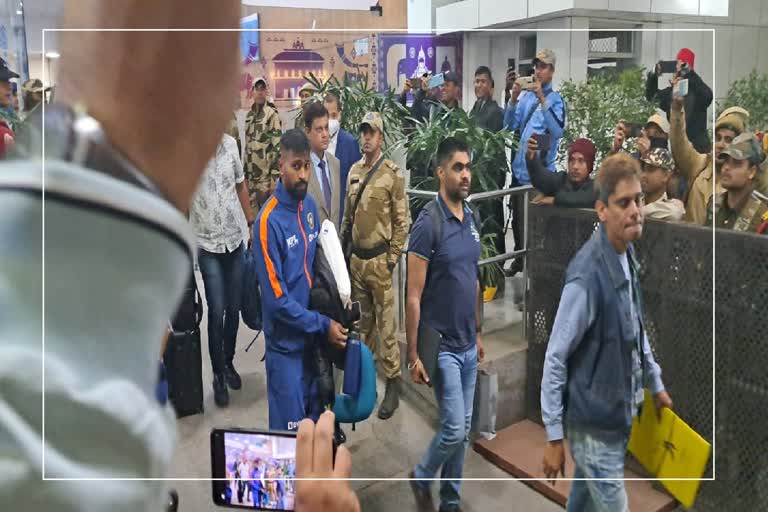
(329, 241)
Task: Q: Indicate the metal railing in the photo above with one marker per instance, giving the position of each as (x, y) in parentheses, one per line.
(499, 258)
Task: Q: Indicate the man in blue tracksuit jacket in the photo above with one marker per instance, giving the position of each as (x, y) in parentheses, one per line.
(540, 110)
(287, 230)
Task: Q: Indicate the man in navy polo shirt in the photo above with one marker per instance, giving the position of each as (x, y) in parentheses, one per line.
(443, 292)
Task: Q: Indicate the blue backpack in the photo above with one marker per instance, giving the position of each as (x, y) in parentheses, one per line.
(354, 408)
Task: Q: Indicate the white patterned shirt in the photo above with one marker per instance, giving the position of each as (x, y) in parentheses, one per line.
(216, 212)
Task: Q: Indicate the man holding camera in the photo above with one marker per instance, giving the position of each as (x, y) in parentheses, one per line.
(697, 99)
(540, 111)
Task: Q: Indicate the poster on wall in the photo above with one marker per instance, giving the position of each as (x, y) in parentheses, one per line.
(405, 56)
(284, 59)
(249, 38)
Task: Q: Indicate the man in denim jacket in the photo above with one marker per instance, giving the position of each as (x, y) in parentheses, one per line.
(599, 360)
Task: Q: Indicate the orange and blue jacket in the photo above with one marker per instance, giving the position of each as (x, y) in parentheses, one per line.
(285, 240)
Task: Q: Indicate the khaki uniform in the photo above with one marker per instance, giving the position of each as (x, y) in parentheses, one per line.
(380, 226)
(262, 140)
(746, 217)
(696, 167)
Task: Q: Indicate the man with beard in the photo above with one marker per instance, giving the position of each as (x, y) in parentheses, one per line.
(598, 359)
(444, 296)
(696, 167)
(287, 229)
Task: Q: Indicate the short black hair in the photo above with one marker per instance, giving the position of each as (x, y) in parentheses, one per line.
(448, 147)
(294, 140)
(332, 97)
(484, 70)
(313, 110)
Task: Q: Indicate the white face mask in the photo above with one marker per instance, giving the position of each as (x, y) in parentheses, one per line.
(333, 127)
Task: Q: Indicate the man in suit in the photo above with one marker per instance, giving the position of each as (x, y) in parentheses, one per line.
(325, 180)
(343, 145)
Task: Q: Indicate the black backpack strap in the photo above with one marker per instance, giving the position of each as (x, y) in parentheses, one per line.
(436, 216)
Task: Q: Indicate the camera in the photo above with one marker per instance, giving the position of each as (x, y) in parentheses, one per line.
(526, 82)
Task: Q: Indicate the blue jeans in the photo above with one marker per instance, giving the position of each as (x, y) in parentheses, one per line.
(455, 392)
(222, 278)
(597, 457)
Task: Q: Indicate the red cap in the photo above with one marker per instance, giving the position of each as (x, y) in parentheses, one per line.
(687, 56)
(586, 148)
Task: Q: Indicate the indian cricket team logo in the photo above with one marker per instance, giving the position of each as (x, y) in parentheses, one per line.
(311, 220)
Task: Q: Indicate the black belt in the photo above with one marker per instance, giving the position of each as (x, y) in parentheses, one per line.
(369, 254)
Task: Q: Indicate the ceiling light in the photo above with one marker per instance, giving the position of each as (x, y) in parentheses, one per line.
(52, 55)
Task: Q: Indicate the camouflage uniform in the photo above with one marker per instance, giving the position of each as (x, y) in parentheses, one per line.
(749, 215)
(380, 226)
(262, 138)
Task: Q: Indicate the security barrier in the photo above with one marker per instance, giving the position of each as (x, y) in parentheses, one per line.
(677, 275)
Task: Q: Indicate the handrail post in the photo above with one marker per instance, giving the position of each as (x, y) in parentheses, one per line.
(525, 266)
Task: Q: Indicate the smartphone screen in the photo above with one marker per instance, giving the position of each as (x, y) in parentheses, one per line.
(659, 142)
(543, 141)
(436, 81)
(668, 66)
(681, 88)
(633, 130)
(258, 468)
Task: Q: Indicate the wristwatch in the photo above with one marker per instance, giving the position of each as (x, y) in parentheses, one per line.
(72, 135)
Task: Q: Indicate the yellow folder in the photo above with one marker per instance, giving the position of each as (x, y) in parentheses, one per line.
(668, 448)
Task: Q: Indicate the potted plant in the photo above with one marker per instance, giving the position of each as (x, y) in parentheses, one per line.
(491, 274)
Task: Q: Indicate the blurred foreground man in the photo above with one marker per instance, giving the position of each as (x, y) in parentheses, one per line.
(599, 360)
(116, 205)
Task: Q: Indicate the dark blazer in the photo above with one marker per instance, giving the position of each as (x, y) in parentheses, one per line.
(348, 153)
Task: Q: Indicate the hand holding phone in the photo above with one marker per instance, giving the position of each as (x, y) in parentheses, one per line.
(680, 88)
(315, 459)
(525, 82)
(436, 80)
(633, 130)
(543, 141)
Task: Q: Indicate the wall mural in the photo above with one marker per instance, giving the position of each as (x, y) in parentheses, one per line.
(284, 58)
(404, 56)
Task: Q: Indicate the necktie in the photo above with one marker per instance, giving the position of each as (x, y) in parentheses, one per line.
(326, 185)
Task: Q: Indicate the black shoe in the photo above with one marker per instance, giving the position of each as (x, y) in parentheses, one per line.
(220, 391)
(422, 495)
(339, 437)
(233, 378)
(391, 399)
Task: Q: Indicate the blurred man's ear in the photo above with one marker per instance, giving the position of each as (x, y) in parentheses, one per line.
(602, 210)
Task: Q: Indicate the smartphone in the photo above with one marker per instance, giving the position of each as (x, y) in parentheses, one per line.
(543, 140)
(659, 142)
(416, 83)
(525, 82)
(436, 80)
(633, 130)
(668, 66)
(257, 465)
(680, 89)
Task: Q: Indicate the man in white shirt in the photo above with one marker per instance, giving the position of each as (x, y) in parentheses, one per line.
(221, 214)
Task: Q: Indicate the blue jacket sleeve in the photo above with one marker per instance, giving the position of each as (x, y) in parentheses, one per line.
(554, 115)
(511, 118)
(274, 293)
(574, 316)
